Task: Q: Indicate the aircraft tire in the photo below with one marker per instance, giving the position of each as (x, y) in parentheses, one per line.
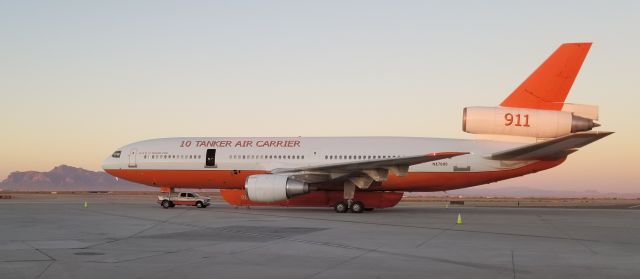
(357, 207)
(341, 207)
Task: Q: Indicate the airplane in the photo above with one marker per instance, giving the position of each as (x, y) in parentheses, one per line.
(356, 174)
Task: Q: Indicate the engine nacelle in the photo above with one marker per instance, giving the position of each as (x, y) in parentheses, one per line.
(273, 187)
(523, 122)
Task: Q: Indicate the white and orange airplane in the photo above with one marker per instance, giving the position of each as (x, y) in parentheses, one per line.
(362, 173)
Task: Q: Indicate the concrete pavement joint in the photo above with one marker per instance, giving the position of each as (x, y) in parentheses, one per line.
(568, 236)
(438, 228)
(513, 264)
(44, 270)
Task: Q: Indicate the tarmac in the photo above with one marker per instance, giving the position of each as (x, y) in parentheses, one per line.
(132, 237)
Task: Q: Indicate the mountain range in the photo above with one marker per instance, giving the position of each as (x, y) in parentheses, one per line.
(67, 178)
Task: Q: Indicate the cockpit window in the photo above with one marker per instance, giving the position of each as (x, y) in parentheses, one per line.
(116, 154)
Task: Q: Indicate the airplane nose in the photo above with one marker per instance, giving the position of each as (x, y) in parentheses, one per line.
(112, 162)
(109, 163)
(106, 164)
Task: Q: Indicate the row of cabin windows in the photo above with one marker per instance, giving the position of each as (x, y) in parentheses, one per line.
(359, 157)
(299, 157)
(154, 157)
(278, 157)
(267, 157)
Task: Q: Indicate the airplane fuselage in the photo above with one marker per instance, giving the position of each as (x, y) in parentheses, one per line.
(225, 163)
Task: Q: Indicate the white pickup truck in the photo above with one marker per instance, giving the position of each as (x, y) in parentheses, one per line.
(183, 198)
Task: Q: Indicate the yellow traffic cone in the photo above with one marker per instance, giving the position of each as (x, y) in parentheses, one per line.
(459, 219)
(85, 204)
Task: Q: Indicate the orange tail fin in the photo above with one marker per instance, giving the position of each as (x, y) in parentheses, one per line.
(547, 87)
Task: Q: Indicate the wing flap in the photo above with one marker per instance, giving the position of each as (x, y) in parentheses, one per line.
(550, 149)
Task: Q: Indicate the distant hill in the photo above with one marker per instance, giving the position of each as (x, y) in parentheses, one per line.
(67, 178)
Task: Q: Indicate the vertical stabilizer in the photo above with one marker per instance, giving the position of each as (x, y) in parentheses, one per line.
(548, 86)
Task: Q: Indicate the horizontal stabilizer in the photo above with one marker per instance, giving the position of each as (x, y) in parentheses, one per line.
(551, 149)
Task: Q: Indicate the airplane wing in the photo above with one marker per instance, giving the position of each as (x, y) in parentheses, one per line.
(550, 149)
(374, 170)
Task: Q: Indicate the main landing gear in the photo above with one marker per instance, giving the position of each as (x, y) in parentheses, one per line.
(348, 203)
(355, 207)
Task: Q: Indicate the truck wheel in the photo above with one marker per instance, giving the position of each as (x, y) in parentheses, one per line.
(166, 204)
(199, 204)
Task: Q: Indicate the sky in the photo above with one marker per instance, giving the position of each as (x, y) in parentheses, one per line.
(79, 79)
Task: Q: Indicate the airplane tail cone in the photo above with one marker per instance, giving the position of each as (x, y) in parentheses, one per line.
(459, 222)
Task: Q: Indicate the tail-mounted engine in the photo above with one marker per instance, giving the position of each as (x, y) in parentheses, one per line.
(529, 122)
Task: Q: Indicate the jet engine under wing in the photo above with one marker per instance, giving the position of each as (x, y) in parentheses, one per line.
(551, 149)
(376, 169)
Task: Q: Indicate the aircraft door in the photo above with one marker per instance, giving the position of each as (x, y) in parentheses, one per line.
(132, 158)
(210, 159)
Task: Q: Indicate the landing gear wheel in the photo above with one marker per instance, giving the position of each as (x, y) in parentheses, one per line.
(341, 207)
(166, 204)
(199, 204)
(357, 207)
